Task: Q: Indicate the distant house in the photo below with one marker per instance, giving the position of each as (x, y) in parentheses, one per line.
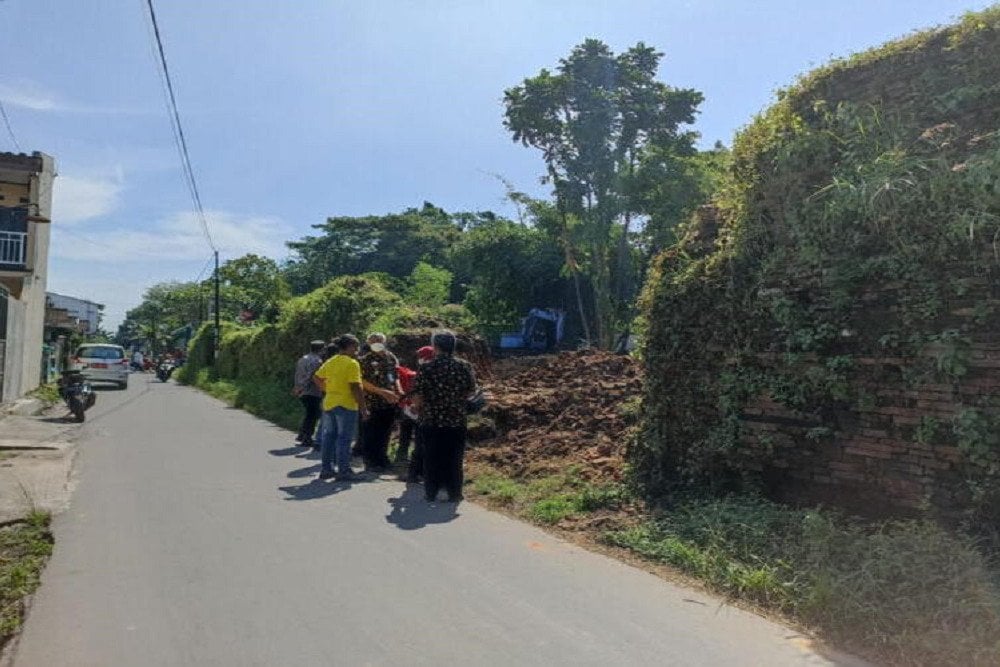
(71, 313)
(25, 215)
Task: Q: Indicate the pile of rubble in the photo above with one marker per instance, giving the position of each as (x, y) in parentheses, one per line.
(473, 349)
(556, 412)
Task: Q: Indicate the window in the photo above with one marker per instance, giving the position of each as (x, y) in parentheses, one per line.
(94, 352)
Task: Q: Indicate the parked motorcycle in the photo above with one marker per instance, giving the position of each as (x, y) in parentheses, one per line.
(77, 392)
(164, 370)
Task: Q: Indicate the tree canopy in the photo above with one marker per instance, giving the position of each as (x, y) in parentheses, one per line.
(602, 121)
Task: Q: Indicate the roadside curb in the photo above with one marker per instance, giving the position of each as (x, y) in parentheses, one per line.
(23, 407)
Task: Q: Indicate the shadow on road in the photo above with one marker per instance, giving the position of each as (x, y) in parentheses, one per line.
(411, 511)
(68, 419)
(308, 471)
(314, 489)
(287, 451)
(318, 488)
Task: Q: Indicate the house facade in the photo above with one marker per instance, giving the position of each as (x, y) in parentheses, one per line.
(25, 216)
(68, 312)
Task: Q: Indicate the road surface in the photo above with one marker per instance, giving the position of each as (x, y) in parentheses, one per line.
(197, 536)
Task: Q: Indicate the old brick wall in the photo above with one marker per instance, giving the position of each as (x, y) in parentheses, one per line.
(831, 332)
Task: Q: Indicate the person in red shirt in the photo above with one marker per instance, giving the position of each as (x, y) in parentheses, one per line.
(408, 430)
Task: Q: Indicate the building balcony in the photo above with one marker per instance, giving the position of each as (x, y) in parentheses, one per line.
(13, 251)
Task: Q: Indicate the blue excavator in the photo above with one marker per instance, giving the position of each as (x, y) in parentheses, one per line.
(541, 331)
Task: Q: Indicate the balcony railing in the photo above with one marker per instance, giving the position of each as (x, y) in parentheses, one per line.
(13, 249)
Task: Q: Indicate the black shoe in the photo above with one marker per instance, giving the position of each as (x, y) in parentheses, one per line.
(456, 498)
(327, 474)
(430, 495)
(306, 443)
(347, 477)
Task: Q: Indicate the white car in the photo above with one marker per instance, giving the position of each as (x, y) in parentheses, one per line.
(102, 363)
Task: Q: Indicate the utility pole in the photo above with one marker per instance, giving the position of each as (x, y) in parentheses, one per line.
(218, 326)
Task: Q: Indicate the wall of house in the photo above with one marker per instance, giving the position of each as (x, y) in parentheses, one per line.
(33, 292)
(13, 382)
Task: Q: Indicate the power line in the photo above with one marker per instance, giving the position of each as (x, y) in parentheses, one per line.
(179, 130)
(204, 268)
(10, 130)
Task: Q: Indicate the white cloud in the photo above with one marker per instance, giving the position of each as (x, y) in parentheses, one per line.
(28, 96)
(75, 198)
(177, 238)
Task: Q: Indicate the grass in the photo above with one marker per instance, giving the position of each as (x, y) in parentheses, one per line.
(547, 500)
(264, 398)
(47, 393)
(902, 592)
(24, 548)
(897, 592)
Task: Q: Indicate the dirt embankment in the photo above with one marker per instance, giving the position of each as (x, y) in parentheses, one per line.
(547, 414)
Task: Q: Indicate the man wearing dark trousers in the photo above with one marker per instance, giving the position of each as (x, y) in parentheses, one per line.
(408, 427)
(380, 378)
(308, 393)
(442, 389)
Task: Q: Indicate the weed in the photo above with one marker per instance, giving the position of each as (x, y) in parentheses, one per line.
(907, 590)
(47, 393)
(24, 548)
(553, 510)
(500, 489)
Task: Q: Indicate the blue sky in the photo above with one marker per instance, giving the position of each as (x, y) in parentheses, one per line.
(299, 110)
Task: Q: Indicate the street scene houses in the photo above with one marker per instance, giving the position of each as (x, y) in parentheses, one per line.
(72, 314)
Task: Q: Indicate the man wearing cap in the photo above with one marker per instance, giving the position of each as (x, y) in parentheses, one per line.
(442, 389)
(308, 392)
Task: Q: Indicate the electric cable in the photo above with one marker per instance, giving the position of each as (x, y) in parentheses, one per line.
(178, 128)
(10, 130)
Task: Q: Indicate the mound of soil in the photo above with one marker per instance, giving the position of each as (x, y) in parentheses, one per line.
(575, 408)
(473, 349)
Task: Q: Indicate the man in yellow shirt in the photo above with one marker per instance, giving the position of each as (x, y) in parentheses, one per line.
(343, 401)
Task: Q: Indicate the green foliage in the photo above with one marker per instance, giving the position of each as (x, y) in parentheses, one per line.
(604, 126)
(428, 285)
(251, 354)
(25, 547)
(256, 284)
(549, 500)
(391, 244)
(507, 268)
(850, 181)
(902, 592)
(250, 282)
(552, 510)
(47, 393)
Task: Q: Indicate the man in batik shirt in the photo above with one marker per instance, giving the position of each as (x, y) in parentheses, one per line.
(441, 392)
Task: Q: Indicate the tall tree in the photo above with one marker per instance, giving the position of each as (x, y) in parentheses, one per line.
(593, 120)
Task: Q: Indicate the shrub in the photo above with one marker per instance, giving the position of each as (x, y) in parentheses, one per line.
(903, 591)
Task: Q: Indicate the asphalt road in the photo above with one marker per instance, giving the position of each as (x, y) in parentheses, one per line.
(197, 536)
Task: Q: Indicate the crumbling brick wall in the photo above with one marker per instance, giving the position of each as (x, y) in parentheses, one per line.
(831, 333)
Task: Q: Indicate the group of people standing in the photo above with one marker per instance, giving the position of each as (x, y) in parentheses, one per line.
(361, 397)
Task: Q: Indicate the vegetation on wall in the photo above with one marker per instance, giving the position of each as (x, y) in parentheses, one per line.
(878, 170)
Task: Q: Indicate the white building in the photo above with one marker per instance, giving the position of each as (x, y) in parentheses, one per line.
(85, 314)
